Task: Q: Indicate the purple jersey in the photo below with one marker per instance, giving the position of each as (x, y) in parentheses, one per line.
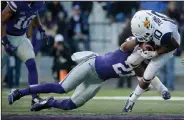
(113, 65)
(24, 13)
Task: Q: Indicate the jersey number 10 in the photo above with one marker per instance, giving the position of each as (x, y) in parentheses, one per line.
(24, 22)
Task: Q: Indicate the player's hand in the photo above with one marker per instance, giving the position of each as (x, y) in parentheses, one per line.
(149, 54)
(44, 35)
(9, 48)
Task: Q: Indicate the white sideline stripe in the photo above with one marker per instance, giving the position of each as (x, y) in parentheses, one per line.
(126, 97)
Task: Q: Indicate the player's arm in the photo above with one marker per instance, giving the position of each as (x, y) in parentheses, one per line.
(37, 23)
(168, 44)
(5, 15)
(129, 44)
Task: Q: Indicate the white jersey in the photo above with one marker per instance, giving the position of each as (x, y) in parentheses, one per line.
(164, 28)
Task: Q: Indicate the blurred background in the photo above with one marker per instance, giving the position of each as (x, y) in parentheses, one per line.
(96, 26)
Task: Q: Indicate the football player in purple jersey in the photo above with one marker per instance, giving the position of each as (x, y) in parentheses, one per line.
(86, 78)
(16, 18)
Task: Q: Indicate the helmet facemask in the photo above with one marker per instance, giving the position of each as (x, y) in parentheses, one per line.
(142, 26)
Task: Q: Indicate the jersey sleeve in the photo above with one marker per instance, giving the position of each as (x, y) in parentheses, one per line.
(165, 38)
(12, 5)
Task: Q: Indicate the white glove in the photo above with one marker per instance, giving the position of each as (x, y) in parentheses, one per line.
(182, 61)
(149, 54)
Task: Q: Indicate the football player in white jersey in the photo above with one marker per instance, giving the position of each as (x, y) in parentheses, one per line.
(147, 25)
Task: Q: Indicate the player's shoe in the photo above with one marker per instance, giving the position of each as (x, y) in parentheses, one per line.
(36, 100)
(43, 104)
(166, 95)
(14, 95)
(128, 106)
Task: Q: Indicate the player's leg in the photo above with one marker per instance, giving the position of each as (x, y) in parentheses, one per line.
(84, 92)
(159, 86)
(149, 74)
(139, 90)
(71, 81)
(26, 54)
(62, 104)
(135, 60)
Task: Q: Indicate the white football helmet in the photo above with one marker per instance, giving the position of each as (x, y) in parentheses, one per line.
(142, 26)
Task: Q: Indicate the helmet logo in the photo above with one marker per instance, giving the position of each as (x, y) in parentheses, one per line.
(146, 23)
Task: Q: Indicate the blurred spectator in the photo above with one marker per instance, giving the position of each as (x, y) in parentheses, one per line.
(159, 6)
(78, 32)
(62, 26)
(51, 27)
(180, 6)
(86, 8)
(62, 62)
(167, 74)
(12, 76)
(173, 12)
(120, 10)
(59, 16)
(55, 7)
(126, 32)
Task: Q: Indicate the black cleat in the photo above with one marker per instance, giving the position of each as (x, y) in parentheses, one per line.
(14, 95)
(37, 99)
(43, 104)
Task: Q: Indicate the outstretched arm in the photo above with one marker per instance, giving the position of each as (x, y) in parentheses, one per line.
(130, 43)
(170, 46)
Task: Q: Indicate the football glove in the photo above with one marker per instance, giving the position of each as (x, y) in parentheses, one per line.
(9, 48)
(149, 54)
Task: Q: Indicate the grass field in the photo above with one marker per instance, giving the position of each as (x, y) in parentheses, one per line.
(99, 109)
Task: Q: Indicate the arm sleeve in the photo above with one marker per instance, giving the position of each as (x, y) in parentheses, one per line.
(12, 5)
(165, 38)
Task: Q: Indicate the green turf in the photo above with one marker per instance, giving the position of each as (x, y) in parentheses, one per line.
(102, 106)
